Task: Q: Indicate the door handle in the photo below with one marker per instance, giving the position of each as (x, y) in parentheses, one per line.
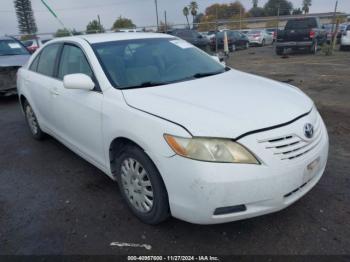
(54, 92)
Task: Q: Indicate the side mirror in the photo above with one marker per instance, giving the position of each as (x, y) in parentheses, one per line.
(78, 81)
(219, 59)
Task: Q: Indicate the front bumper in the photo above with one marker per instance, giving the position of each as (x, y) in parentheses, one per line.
(8, 81)
(196, 189)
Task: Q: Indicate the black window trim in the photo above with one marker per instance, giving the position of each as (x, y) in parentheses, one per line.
(97, 87)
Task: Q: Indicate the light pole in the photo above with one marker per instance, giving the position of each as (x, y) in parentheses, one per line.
(156, 3)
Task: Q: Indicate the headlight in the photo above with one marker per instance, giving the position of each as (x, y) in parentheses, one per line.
(211, 149)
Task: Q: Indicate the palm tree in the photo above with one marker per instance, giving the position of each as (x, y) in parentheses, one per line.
(193, 8)
(306, 6)
(186, 12)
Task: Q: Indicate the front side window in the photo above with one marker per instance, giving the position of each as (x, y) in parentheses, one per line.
(73, 61)
(48, 59)
(149, 62)
(11, 47)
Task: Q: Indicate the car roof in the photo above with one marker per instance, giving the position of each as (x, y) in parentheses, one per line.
(5, 38)
(110, 37)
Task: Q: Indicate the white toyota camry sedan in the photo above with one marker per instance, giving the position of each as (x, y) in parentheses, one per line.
(182, 134)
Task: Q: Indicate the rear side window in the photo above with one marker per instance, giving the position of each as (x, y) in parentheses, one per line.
(47, 60)
(301, 24)
(35, 63)
(73, 61)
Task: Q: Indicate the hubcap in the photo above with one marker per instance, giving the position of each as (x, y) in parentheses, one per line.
(137, 185)
(33, 124)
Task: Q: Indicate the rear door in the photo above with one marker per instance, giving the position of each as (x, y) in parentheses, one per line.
(41, 82)
(78, 113)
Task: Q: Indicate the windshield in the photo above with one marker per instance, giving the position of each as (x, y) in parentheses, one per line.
(11, 47)
(151, 62)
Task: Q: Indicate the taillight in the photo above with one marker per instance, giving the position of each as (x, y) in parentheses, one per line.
(312, 34)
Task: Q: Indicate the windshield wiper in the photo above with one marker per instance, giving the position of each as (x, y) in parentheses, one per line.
(200, 75)
(146, 84)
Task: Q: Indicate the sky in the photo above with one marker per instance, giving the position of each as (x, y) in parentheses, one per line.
(77, 13)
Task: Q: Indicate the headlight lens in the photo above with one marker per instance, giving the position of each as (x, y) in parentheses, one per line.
(211, 149)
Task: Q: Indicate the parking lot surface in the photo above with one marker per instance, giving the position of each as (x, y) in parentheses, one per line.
(54, 202)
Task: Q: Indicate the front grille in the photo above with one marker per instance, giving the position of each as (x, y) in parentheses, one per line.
(293, 146)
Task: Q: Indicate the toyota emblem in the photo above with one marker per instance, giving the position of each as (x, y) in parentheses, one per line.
(309, 130)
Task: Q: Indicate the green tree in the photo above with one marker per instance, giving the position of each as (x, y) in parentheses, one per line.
(25, 17)
(225, 11)
(257, 12)
(306, 6)
(272, 6)
(193, 9)
(297, 11)
(75, 32)
(123, 22)
(186, 12)
(94, 27)
(62, 33)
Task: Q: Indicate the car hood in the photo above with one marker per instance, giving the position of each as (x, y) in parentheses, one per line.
(225, 105)
(13, 60)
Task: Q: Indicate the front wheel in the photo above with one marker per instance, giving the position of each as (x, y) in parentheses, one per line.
(32, 122)
(141, 186)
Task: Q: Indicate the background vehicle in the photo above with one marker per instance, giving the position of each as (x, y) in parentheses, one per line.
(272, 32)
(13, 55)
(345, 38)
(33, 44)
(192, 36)
(301, 33)
(245, 32)
(236, 40)
(260, 37)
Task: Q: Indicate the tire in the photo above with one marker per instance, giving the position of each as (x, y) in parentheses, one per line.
(141, 186)
(280, 51)
(263, 42)
(32, 122)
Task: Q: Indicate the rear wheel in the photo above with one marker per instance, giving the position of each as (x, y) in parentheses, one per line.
(279, 51)
(142, 186)
(32, 122)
